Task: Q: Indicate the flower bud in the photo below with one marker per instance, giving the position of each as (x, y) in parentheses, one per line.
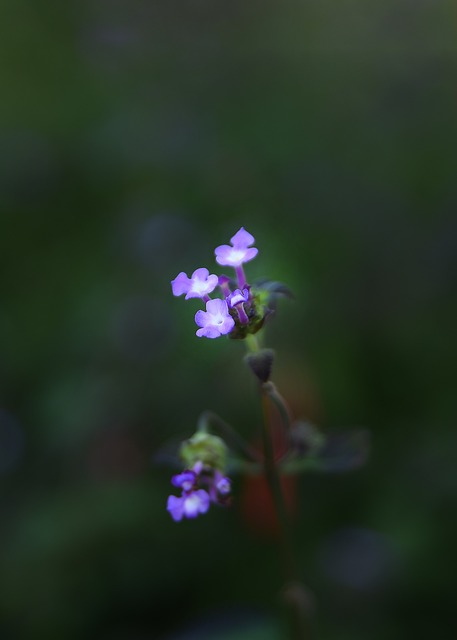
(204, 447)
(260, 363)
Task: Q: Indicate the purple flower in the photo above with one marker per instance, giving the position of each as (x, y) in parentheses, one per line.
(184, 480)
(215, 321)
(198, 286)
(222, 483)
(238, 297)
(219, 487)
(239, 252)
(224, 283)
(189, 505)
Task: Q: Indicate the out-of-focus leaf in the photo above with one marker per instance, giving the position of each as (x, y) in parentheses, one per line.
(339, 452)
(274, 288)
(243, 466)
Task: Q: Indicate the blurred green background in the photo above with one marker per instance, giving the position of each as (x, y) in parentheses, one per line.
(135, 136)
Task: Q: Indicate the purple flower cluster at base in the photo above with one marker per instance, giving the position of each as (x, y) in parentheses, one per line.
(195, 500)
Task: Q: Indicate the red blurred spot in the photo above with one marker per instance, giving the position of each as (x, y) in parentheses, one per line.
(257, 505)
(256, 501)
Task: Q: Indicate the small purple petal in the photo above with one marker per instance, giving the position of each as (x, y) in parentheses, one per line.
(242, 239)
(195, 503)
(250, 254)
(223, 280)
(184, 480)
(217, 307)
(224, 486)
(208, 332)
(200, 274)
(237, 297)
(198, 467)
(202, 318)
(180, 284)
(223, 254)
(175, 507)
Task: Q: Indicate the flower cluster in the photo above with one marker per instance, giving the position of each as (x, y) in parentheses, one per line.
(237, 312)
(202, 482)
(194, 499)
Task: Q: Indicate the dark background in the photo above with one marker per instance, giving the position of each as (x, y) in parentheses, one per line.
(135, 136)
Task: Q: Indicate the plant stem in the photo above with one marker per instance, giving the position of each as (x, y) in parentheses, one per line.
(271, 390)
(294, 593)
(252, 343)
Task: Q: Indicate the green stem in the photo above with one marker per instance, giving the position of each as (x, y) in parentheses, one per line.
(252, 343)
(271, 390)
(274, 482)
(294, 593)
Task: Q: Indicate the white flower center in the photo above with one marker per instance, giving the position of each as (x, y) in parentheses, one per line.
(237, 254)
(199, 286)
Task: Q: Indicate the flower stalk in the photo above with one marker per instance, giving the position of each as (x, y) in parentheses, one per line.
(299, 628)
(239, 314)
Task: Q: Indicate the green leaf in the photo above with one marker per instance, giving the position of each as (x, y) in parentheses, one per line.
(339, 452)
(273, 287)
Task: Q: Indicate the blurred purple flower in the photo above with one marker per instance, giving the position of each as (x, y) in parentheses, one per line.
(184, 480)
(189, 505)
(215, 321)
(222, 484)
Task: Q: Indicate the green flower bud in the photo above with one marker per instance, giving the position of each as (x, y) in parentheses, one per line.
(206, 448)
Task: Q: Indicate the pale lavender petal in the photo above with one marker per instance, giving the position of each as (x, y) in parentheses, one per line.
(202, 318)
(223, 254)
(242, 239)
(180, 284)
(204, 500)
(184, 480)
(194, 294)
(212, 282)
(227, 326)
(217, 306)
(208, 332)
(250, 254)
(195, 503)
(175, 507)
(200, 274)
